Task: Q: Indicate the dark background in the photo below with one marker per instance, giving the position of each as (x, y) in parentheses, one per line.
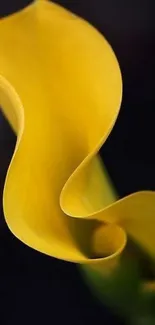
(34, 288)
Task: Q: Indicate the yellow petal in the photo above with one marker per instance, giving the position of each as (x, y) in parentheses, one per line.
(61, 89)
(136, 215)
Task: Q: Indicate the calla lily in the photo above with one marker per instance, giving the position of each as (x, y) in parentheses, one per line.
(61, 91)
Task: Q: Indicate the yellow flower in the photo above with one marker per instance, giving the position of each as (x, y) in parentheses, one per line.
(61, 90)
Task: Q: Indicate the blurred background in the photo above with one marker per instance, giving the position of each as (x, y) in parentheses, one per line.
(35, 288)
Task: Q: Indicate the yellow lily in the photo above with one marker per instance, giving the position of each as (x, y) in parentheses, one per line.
(61, 90)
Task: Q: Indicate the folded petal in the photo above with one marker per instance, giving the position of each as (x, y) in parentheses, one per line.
(61, 90)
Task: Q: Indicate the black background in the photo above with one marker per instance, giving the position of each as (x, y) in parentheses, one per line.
(34, 288)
